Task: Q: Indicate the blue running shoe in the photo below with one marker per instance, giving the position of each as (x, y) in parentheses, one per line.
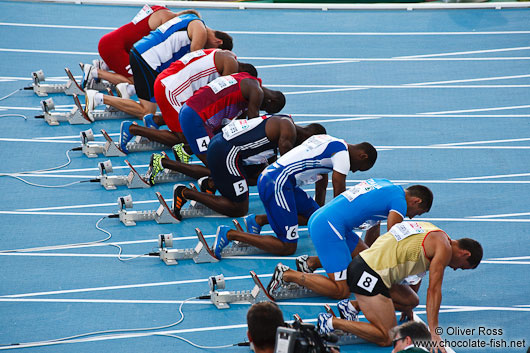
(347, 310)
(149, 121)
(221, 241)
(89, 73)
(125, 135)
(325, 323)
(252, 226)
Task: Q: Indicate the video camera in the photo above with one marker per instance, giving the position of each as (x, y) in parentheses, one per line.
(303, 338)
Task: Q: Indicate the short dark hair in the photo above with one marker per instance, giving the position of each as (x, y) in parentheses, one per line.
(315, 129)
(246, 67)
(188, 12)
(277, 101)
(417, 331)
(474, 248)
(370, 151)
(424, 193)
(228, 42)
(262, 320)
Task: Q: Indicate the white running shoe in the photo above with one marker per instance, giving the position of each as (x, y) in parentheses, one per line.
(121, 89)
(90, 100)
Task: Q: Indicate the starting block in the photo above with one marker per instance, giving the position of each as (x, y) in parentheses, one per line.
(134, 180)
(112, 149)
(75, 116)
(257, 294)
(222, 299)
(201, 253)
(163, 215)
(42, 89)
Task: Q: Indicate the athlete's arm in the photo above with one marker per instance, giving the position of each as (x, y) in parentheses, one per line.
(226, 62)
(287, 137)
(339, 183)
(252, 92)
(393, 218)
(320, 190)
(437, 246)
(198, 35)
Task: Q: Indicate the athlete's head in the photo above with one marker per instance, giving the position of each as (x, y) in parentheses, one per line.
(410, 333)
(305, 132)
(273, 101)
(227, 41)
(246, 67)
(419, 200)
(263, 319)
(362, 156)
(466, 254)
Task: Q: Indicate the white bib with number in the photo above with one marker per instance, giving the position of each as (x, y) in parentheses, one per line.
(194, 54)
(359, 189)
(403, 230)
(235, 128)
(221, 83)
(143, 13)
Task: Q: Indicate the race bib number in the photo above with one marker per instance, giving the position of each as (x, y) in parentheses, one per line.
(292, 232)
(315, 141)
(367, 282)
(143, 13)
(403, 230)
(240, 187)
(165, 26)
(413, 279)
(202, 143)
(341, 276)
(235, 128)
(359, 189)
(221, 83)
(190, 56)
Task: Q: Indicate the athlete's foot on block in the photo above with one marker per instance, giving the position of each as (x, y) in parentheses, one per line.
(90, 100)
(204, 185)
(347, 310)
(149, 121)
(125, 135)
(252, 226)
(277, 279)
(89, 75)
(155, 167)
(121, 90)
(302, 265)
(221, 240)
(325, 323)
(180, 154)
(178, 200)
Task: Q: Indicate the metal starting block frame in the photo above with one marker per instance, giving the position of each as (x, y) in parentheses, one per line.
(257, 294)
(201, 253)
(162, 215)
(112, 149)
(42, 89)
(134, 180)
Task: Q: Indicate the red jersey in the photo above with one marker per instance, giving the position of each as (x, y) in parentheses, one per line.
(220, 99)
(114, 47)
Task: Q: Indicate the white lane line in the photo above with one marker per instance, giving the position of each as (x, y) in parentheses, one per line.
(512, 258)
(506, 262)
(128, 286)
(470, 80)
(307, 64)
(479, 142)
(492, 176)
(504, 215)
(479, 110)
(139, 256)
(473, 220)
(474, 33)
(332, 60)
(39, 25)
(454, 147)
(466, 52)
